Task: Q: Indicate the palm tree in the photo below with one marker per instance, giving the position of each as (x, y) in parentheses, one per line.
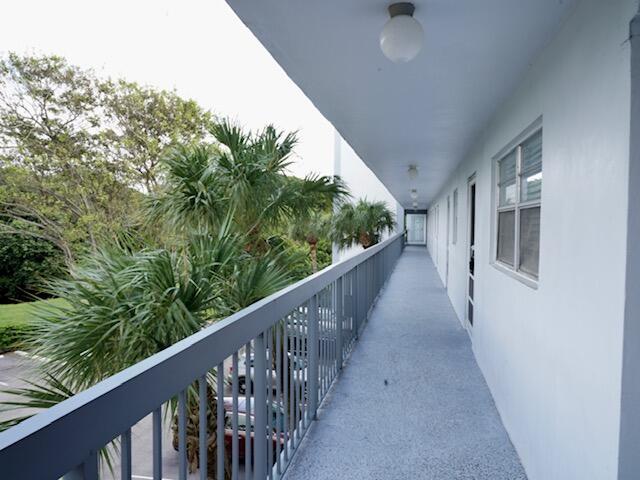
(362, 223)
(246, 176)
(216, 207)
(121, 307)
(311, 229)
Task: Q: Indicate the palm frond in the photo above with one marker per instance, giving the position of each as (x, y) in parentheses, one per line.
(363, 223)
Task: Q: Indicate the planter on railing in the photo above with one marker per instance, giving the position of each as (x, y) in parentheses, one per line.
(277, 357)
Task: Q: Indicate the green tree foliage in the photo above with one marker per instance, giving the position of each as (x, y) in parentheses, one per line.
(76, 151)
(25, 265)
(146, 122)
(362, 223)
(83, 161)
(311, 229)
(125, 306)
(244, 177)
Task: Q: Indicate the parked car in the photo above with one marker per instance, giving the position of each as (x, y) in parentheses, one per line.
(242, 409)
(299, 373)
(242, 435)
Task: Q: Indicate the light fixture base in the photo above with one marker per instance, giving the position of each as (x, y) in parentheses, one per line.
(401, 8)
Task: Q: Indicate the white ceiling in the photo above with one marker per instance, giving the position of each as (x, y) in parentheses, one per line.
(427, 112)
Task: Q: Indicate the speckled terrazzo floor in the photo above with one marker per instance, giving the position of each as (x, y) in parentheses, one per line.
(435, 418)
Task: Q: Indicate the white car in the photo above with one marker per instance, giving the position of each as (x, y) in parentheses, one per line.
(299, 373)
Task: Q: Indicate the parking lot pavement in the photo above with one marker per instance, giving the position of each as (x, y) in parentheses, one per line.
(15, 368)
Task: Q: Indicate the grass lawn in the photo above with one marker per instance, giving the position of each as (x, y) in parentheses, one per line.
(15, 322)
(21, 313)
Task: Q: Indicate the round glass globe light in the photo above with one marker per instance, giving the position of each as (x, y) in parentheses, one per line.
(401, 38)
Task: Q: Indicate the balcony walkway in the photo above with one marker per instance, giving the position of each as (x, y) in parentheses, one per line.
(411, 401)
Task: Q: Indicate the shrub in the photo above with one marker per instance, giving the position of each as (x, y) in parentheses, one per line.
(25, 265)
(13, 336)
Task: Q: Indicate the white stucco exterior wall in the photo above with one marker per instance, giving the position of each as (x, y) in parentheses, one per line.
(552, 355)
(362, 183)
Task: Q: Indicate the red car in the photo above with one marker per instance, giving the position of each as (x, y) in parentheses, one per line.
(242, 435)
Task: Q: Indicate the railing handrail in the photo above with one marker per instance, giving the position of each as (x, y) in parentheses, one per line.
(92, 418)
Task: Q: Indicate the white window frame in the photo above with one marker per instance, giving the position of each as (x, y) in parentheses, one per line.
(514, 271)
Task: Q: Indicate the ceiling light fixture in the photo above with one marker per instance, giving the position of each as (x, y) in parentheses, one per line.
(414, 195)
(401, 37)
(415, 204)
(413, 172)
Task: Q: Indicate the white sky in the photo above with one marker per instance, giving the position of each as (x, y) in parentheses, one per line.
(198, 47)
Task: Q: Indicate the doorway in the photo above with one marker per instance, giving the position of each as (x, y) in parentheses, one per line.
(446, 277)
(471, 242)
(416, 228)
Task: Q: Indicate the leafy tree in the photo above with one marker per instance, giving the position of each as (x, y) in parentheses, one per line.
(146, 122)
(52, 180)
(363, 223)
(25, 265)
(76, 151)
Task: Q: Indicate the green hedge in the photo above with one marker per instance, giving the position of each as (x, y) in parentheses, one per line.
(12, 336)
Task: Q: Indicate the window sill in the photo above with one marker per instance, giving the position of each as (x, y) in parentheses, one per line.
(528, 281)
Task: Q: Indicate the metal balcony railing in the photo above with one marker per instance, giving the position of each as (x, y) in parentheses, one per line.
(285, 351)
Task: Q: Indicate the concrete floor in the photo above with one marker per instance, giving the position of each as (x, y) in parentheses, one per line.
(411, 401)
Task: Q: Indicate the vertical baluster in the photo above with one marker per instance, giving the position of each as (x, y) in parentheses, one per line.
(346, 320)
(332, 329)
(356, 300)
(324, 336)
(248, 410)
(260, 373)
(327, 339)
(278, 402)
(304, 346)
(328, 335)
(371, 279)
(203, 432)
(334, 358)
(368, 284)
(324, 341)
(286, 399)
(320, 298)
(339, 320)
(220, 421)
(295, 379)
(157, 443)
(270, 402)
(182, 435)
(235, 454)
(367, 290)
(312, 359)
(125, 455)
(292, 361)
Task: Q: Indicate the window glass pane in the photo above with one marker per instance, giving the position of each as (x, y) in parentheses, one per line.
(530, 240)
(531, 177)
(506, 236)
(507, 179)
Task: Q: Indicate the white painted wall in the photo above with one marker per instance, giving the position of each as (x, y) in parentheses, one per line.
(362, 183)
(552, 355)
(629, 460)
